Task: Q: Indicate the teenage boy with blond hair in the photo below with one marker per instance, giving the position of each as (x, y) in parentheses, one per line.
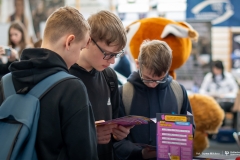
(152, 94)
(66, 127)
(108, 38)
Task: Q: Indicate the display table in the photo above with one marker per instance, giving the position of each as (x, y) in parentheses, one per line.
(230, 97)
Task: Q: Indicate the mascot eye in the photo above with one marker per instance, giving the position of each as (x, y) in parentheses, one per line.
(127, 29)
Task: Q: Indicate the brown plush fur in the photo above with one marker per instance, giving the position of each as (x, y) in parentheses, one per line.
(200, 142)
(208, 117)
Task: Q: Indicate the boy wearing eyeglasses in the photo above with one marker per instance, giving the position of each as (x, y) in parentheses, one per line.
(152, 94)
(108, 38)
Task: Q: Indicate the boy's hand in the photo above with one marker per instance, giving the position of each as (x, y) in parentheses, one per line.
(147, 153)
(121, 132)
(104, 132)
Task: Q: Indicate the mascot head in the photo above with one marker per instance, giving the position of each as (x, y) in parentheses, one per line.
(178, 35)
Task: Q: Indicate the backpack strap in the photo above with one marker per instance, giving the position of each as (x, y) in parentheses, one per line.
(177, 89)
(48, 83)
(128, 91)
(127, 96)
(7, 85)
(111, 78)
(38, 90)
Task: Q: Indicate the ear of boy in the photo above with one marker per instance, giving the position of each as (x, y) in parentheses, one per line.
(60, 45)
(137, 63)
(70, 39)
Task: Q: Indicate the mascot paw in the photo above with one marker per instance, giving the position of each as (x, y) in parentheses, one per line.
(200, 142)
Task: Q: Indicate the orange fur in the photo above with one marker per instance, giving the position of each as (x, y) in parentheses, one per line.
(200, 142)
(208, 117)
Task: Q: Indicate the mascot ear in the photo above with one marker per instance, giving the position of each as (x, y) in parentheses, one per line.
(132, 30)
(180, 31)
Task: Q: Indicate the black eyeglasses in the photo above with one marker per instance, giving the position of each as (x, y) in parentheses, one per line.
(108, 56)
(152, 81)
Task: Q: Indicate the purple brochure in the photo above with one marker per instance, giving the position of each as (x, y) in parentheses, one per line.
(128, 121)
(174, 137)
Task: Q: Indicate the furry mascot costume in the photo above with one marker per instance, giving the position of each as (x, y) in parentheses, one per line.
(207, 113)
(178, 35)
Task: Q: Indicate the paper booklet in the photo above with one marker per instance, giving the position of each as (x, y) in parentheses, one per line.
(174, 137)
(129, 120)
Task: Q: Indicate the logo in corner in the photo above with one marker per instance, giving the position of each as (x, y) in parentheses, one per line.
(227, 152)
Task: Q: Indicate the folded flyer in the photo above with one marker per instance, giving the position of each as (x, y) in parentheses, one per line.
(128, 121)
(174, 137)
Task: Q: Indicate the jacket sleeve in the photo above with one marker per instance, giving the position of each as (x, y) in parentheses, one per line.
(186, 106)
(125, 149)
(78, 127)
(4, 68)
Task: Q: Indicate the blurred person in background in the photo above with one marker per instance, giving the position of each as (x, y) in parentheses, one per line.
(18, 38)
(123, 66)
(18, 15)
(17, 42)
(221, 85)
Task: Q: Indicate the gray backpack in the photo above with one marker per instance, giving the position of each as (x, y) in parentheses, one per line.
(128, 91)
(19, 114)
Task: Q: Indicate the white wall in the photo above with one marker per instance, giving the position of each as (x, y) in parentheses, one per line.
(4, 33)
(222, 44)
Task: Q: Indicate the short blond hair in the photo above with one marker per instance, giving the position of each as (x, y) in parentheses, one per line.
(156, 56)
(107, 27)
(65, 20)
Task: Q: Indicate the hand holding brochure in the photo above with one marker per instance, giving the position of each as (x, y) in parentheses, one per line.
(128, 121)
(150, 147)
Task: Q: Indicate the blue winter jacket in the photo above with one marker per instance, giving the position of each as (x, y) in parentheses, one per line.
(147, 102)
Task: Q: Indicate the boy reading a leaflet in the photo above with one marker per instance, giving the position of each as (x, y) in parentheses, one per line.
(108, 38)
(152, 94)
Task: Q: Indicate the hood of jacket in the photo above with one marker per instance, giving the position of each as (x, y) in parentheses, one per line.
(35, 65)
(83, 71)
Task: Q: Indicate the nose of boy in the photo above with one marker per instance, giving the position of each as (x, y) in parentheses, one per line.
(152, 85)
(112, 60)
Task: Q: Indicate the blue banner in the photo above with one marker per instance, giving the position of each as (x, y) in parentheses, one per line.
(220, 12)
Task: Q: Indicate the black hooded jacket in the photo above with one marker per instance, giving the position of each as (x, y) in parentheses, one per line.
(66, 128)
(147, 102)
(105, 104)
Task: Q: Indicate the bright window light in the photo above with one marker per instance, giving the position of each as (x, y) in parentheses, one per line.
(171, 7)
